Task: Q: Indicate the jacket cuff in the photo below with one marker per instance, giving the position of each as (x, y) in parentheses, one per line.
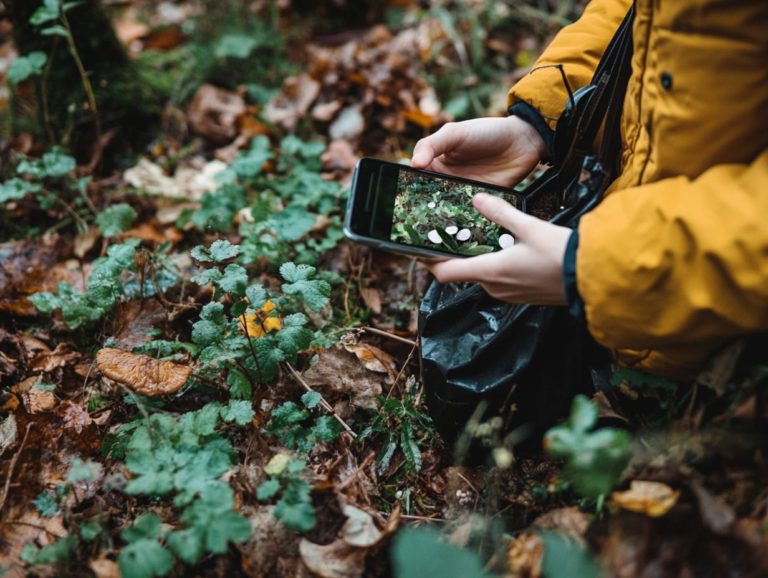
(533, 117)
(575, 302)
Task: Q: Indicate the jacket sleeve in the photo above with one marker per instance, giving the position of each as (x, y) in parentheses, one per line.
(578, 47)
(692, 270)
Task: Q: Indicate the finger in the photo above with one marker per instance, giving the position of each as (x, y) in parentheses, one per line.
(431, 147)
(502, 213)
(457, 270)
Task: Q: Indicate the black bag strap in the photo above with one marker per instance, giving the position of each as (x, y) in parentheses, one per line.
(591, 107)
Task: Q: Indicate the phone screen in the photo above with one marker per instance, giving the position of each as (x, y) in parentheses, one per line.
(422, 209)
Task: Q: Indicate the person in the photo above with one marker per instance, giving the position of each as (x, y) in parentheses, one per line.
(673, 263)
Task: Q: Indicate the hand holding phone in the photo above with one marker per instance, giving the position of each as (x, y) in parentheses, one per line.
(421, 213)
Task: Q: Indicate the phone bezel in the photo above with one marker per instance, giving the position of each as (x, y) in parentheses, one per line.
(401, 248)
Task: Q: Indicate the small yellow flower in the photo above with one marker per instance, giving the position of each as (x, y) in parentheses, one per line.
(261, 322)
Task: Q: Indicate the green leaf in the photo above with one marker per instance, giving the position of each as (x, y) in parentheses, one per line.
(249, 164)
(326, 428)
(46, 504)
(83, 471)
(239, 385)
(257, 296)
(564, 557)
(55, 30)
(315, 293)
(146, 526)
(234, 280)
(15, 189)
(89, 531)
(409, 447)
(292, 223)
(235, 46)
(187, 544)
(311, 399)
(25, 67)
(58, 552)
(225, 528)
(268, 489)
(238, 411)
(115, 219)
(49, 10)
(421, 552)
(151, 483)
(299, 516)
(583, 414)
(144, 559)
(270, 356)
(220, 251)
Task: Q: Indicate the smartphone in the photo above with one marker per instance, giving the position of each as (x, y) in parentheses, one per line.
(421, 213)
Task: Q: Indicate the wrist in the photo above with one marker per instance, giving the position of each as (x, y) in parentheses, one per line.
(535, 128)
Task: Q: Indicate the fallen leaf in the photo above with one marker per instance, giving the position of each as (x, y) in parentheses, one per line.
(650, 498)
(271, 551)
(214, 113)
(152, 234)
(348, 125)
(373, 358)
(338, 371)
(344, 557)
(85, 241)
(525, 554)
(9, 433)
(570, 521)
(46, 362)
(142, 373)
(372, 299)
(188, 183)
(35, 400)
(74, 416)
(716, 515)
(103, 567)
(339, 160)
(292, 102)
(325, 111)
(134, 320)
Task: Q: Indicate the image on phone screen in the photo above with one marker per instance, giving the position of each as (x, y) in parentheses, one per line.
(437, 213)
(422, 213)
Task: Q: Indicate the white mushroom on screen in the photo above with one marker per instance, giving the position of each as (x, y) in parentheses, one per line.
(463, 235)
(506, 240)
(434, 236)
(451, 230)
(431, 204)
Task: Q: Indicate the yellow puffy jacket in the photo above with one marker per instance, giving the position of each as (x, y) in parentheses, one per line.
(674, 262)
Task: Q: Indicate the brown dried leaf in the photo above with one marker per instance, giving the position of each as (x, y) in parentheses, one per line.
(372, 299)
(74, 416)
(142, 373)
(373, 358)
(134, 321)
(214, 112)
(292, 102)
(337, 370)
(46, 362)
(35, 400)
(103, 567)
(715, 513)
(525, 554)
(650, 498)
(85, 241)
(9, 433)
(348, 125)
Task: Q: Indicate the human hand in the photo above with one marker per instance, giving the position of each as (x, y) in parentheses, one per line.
(531, 271)
(494, 150)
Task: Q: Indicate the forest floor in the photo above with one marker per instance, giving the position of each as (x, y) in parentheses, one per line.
(200, 377)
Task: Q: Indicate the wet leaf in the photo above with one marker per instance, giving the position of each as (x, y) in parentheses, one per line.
(650, 498)
(214, 112)
(142, 373)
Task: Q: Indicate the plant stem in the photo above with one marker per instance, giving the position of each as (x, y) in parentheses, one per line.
(87, 86)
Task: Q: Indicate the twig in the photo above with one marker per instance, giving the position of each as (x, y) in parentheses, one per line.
(15, 458)
(420, 518)
(353, 476)
(328, 407)
(402, 370)
(405, 340)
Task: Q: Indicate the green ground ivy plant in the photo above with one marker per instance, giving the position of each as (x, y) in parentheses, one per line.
(242, 334)
(594, 458)
(183, 457)
(293, 212)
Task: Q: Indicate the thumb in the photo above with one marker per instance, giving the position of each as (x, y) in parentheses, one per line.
(431, 147)
(502, 213)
